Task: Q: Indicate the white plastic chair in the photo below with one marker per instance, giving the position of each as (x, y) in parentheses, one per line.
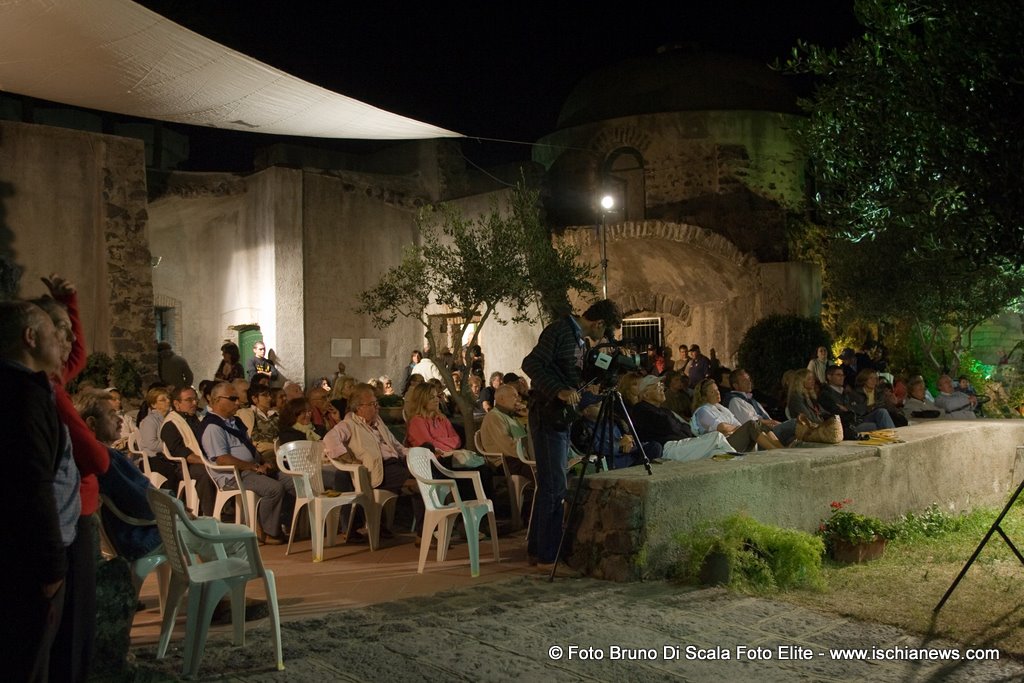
(155, 478)
(207, 582)
(301, 460)
(516, 483)
(245, 506)
(440, 515)
(155, 560)
(188, 484)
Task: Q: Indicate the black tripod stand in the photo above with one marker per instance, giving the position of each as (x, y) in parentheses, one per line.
(995, 528)
(602, 447)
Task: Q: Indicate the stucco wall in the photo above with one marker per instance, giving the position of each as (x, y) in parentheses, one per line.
(75, 202)
(350, 240)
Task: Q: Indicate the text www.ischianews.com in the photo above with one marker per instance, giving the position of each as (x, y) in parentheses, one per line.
(572, 652)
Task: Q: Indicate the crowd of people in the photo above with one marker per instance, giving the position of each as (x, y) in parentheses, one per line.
(73, 447)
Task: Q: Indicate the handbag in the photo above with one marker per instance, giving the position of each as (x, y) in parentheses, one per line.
(830, 430)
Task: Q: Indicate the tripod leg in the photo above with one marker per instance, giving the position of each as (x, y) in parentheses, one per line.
(993, 529)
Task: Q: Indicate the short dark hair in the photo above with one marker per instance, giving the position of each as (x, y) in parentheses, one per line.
(178, 391)
(291, 410)
(606, 311)
(832, 368)
(735, 375)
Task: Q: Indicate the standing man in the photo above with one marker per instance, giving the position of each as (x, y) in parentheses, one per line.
(174, 370)
(33, 574)
(699, 367)
(259, 364)
(225, 442)
(180, 435)
(555, 368)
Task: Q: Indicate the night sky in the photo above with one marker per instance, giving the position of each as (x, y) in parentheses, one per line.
(493, 70)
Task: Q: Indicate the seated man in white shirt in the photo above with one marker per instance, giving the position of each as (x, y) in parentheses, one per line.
(225, 442)
(745, 407)
(364, 439)
(917, 404)
(955, 405)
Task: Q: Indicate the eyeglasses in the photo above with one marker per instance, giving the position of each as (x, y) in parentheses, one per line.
(230, 398)
(374, 403)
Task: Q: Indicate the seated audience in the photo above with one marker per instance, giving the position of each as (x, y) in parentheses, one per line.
(627, 388)
(803, 397)
(678, 397)
(745, 407)
(265, 420)
(429, 428)
(296, 422)
(159, 402)
(500, 431)
(837, 401)
(487, 393)
(363, 438)
(868, 395)
(710, 416)
(955, 404)
(127, 421)
(654, 422)
(225, 442)
(230, 367)
(615, 445)
(918, 405)
(819, 364)
(323, 413)
(476, 384)
(179, 433)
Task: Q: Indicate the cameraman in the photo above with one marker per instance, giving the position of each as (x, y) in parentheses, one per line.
(555, 369)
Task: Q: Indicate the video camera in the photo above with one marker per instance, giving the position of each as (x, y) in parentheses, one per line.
(607, 360)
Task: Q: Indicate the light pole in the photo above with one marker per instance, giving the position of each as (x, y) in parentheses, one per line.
(607, 204)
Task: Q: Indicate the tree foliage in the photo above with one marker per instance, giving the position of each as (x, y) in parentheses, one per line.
(501, 265)
(779, 343)
(914, 129)
(915, 152)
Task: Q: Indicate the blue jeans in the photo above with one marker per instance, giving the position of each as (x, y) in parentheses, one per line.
(551, 449)
(876, 419)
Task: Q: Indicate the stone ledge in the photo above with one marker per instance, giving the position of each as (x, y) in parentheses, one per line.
(627, 519)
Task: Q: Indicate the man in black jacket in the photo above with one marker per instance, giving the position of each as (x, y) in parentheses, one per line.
(555, 369)
(36, 561)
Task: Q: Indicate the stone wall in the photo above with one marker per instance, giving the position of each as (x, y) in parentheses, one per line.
(736, 173)
(75, 202)
(628, 519)
(706, 290)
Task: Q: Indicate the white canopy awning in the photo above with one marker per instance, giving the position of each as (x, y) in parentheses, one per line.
(117, 56)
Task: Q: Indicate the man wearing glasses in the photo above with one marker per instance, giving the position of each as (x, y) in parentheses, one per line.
(180, 434)
(226, 442)
(363, 438)
(259, 364)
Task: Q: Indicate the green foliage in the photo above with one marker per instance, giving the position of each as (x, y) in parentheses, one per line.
(102, 371)
(779, 343)
(762, 558)
(393, 401)
(97, 371)
(912, 128)
(852, 527)
(932, 523)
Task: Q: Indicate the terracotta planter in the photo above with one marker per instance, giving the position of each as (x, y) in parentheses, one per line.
(856, 553)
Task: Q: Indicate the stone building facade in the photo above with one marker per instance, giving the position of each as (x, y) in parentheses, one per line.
(698, 152)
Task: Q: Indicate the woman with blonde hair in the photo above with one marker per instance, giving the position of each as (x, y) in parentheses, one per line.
(803, 396)
(628, 387)
(429, 428)
(709, 415)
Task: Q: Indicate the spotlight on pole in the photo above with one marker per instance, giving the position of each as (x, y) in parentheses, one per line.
(607, 202)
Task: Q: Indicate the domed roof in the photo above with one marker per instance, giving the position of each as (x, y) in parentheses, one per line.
(677, 80)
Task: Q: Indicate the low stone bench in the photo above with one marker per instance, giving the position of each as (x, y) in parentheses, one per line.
(627, 519)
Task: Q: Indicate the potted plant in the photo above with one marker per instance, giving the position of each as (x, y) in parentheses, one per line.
(391, 409)
(852, 537)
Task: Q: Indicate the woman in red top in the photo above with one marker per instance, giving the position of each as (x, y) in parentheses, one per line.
(71, 654)
(429, 428)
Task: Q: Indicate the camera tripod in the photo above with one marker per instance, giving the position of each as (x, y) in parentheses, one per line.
(602, 447)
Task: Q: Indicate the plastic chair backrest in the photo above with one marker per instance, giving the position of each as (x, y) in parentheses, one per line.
(167, 511)
(303, 457)
(434, 495)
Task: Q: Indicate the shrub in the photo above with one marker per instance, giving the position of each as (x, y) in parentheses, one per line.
(779, 343)
(762, 558)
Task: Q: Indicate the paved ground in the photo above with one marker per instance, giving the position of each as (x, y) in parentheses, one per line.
(525, 629)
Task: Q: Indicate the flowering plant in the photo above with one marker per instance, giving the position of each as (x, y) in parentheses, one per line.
(844, 525)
